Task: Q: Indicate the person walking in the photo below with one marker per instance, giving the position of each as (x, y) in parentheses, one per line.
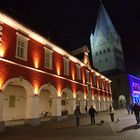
(77, 114)
(136, 109)
(111, 112)
(92, 113)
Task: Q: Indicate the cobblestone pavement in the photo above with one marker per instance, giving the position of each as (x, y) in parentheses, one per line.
(124, 129)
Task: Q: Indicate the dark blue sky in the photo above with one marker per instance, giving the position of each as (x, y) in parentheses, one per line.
(69, 23)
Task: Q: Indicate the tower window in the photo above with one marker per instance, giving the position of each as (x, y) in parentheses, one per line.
(96, 53)
(100, 51)
(108, 49)
(104, 50)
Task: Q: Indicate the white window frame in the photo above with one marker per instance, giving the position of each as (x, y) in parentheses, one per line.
(49, 52)
(66, 66)
(78, 67)
(24, 40)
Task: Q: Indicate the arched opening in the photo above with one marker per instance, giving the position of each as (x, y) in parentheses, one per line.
(122, 101)
(66, 102)
(16, 92)
(47, 96)
(80, 101)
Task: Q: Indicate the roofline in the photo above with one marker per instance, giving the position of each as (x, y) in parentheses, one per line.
(4, 18)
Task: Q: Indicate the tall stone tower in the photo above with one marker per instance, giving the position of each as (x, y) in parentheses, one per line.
(106, 48)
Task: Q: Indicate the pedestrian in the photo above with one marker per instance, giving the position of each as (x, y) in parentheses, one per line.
(77, 114)
(86, 109)
(136, 109)
(92, 113)
(128, 108)
(131, 108)
(111, 113)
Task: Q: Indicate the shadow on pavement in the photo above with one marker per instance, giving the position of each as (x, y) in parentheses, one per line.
(130, 127)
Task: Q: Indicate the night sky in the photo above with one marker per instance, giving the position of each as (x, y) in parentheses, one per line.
(69, 23)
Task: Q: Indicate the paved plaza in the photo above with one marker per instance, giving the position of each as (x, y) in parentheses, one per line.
(124, 129)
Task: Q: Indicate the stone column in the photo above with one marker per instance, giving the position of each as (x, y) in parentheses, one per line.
(82, 105)
(32, 110)
(72, 106)
(2, 125)
(56, 111)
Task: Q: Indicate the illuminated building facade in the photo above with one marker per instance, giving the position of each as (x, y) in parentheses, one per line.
(134, 84)
(37, 76)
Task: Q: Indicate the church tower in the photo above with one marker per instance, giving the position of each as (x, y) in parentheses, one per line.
(106, 48)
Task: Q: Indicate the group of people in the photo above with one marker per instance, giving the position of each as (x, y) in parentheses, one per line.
(134, 108)
(91, 112)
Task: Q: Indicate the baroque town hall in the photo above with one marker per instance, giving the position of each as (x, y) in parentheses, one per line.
(37, 76)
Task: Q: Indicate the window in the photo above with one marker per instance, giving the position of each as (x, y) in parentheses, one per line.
(104, 51)
(106, 59)
(66, 66)
(100, 51)
(99, 61)
(108, 49)
(78, 72)
(48, 58)
(87, 75)
(96, 53)
(21, 46)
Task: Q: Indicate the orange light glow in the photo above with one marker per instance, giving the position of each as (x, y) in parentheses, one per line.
(58, 68)
(74, 95)
(36, 88)
(1, 83)
(83, 78)
(73, 74)
(2, 51)
(59, 91)
(85, 97)
(36, 63)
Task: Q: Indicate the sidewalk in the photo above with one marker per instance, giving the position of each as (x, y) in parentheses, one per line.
(66, 130)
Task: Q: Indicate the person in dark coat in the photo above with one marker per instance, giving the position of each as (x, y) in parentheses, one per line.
(77, 114)
(111, 113)
(92, 113)
(136, 109)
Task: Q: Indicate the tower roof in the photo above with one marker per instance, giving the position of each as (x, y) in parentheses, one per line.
(105, 26)
(104, 40)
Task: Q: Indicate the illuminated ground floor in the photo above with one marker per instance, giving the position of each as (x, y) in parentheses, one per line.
(35, 95)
